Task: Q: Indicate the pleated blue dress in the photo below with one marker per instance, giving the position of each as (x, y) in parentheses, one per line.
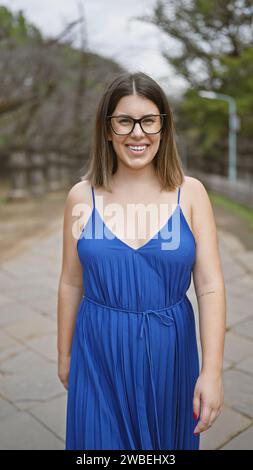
(134, 357)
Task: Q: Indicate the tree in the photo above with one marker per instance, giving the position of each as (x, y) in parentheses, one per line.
(48, 89)
(15, 27)
(213, 51)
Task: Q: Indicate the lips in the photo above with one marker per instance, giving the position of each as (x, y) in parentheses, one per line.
(135, 151)
(137, 145)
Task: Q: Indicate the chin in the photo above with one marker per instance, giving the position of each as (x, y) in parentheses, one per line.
(137, 163)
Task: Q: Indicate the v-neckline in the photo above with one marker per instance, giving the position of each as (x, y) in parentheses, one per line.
(148, 241)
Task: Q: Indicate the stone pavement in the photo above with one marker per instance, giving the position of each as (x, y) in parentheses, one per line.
(32, 399)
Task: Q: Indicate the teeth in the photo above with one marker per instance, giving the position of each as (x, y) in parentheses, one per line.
(137, 148)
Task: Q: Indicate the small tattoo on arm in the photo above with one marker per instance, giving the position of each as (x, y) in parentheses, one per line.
(209, 292)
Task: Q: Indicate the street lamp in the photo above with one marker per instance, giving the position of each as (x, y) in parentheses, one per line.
(234, 125)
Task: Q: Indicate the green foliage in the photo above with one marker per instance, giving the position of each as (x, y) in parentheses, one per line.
(214, 52)
(240, 210)
(49, 89)
(16, 27)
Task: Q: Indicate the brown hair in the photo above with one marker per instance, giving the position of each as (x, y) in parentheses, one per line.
(103, 160)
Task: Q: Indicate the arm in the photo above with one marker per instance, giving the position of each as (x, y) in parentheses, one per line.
(70, 288)
(210, 291)
(208, 283)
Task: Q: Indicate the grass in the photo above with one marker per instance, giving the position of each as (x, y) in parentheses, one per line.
(3, 200)
(237, 209)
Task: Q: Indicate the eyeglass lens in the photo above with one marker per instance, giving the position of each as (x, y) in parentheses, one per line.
(124, 125)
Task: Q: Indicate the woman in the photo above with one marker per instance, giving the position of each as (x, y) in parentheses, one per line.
(127, 349)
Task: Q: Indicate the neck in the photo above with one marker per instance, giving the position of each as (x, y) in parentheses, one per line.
(133, 178)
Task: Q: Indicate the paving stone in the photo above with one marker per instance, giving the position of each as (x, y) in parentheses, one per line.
(224, 428)
(8, 282)
(6, 341)
(32, 326)
(245, 328)
(4, 299)
(227, 364)
(23, 432)
(245, 259)
(238, 388)
(22, 265)
(24, 391)
(232, 271)
(31, 290)
(239, 307)
(11, 352)
(45, 345)
(244, 441)
(46, 304)
(53, 414)
(246, 365)
(231, 242)
(52, 281)
(243, 285)
(236, 347)
(15, 312)
(22, 362)
(233, 318)
(6, 410)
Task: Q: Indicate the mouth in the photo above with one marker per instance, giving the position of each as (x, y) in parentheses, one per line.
(137, 149)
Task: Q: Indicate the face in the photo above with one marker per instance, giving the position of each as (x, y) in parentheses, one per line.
(135, 106)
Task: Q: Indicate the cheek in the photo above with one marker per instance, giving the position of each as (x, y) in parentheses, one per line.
(117, 142)
(156, 142)
(119, 145)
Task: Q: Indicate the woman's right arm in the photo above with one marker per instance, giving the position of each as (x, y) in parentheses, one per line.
(70, 289)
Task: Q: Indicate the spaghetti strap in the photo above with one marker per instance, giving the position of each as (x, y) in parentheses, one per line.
(93, 196)
(178, 197)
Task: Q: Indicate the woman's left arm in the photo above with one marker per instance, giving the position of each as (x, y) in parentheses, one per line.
(211, 296)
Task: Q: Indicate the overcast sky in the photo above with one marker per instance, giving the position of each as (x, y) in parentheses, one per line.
(110, 32)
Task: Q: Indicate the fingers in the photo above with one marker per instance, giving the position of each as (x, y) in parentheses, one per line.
(207, 418)
(196, 405)
(204, 420)
(66, 385)
(214, 415)
(64, 381)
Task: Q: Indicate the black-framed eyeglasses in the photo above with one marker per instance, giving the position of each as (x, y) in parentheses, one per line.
(124, 125)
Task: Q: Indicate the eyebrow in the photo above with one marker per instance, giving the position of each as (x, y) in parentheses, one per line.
(127, 115)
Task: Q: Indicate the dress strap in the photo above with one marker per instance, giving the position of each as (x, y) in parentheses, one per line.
(93, 196)
(178, 197)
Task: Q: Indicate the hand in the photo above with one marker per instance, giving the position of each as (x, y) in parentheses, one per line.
(63, 369)
(208, 399)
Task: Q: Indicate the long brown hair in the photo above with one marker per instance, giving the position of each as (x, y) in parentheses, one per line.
(102, 163)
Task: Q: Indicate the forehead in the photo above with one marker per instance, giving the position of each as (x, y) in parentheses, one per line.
(136, 105)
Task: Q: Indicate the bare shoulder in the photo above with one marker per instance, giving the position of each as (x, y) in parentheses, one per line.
(194, 187)
(196, 193)
(77, 209)
(202, 214)
(78, 202)
(80, 192)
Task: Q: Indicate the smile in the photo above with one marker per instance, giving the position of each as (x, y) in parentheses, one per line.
(137, 149)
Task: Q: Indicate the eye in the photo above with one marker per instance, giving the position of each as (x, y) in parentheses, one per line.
(148, 120)
(124, 120)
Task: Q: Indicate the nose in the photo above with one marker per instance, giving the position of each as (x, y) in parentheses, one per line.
(137, 130)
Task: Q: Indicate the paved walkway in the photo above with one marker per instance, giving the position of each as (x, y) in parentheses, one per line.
(33, 401)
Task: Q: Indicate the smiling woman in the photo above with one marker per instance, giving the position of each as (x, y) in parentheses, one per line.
(127, 349)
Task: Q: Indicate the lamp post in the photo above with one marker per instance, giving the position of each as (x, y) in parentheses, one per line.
(234, 124)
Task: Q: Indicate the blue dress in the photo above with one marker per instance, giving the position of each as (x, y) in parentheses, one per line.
(134, 358)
